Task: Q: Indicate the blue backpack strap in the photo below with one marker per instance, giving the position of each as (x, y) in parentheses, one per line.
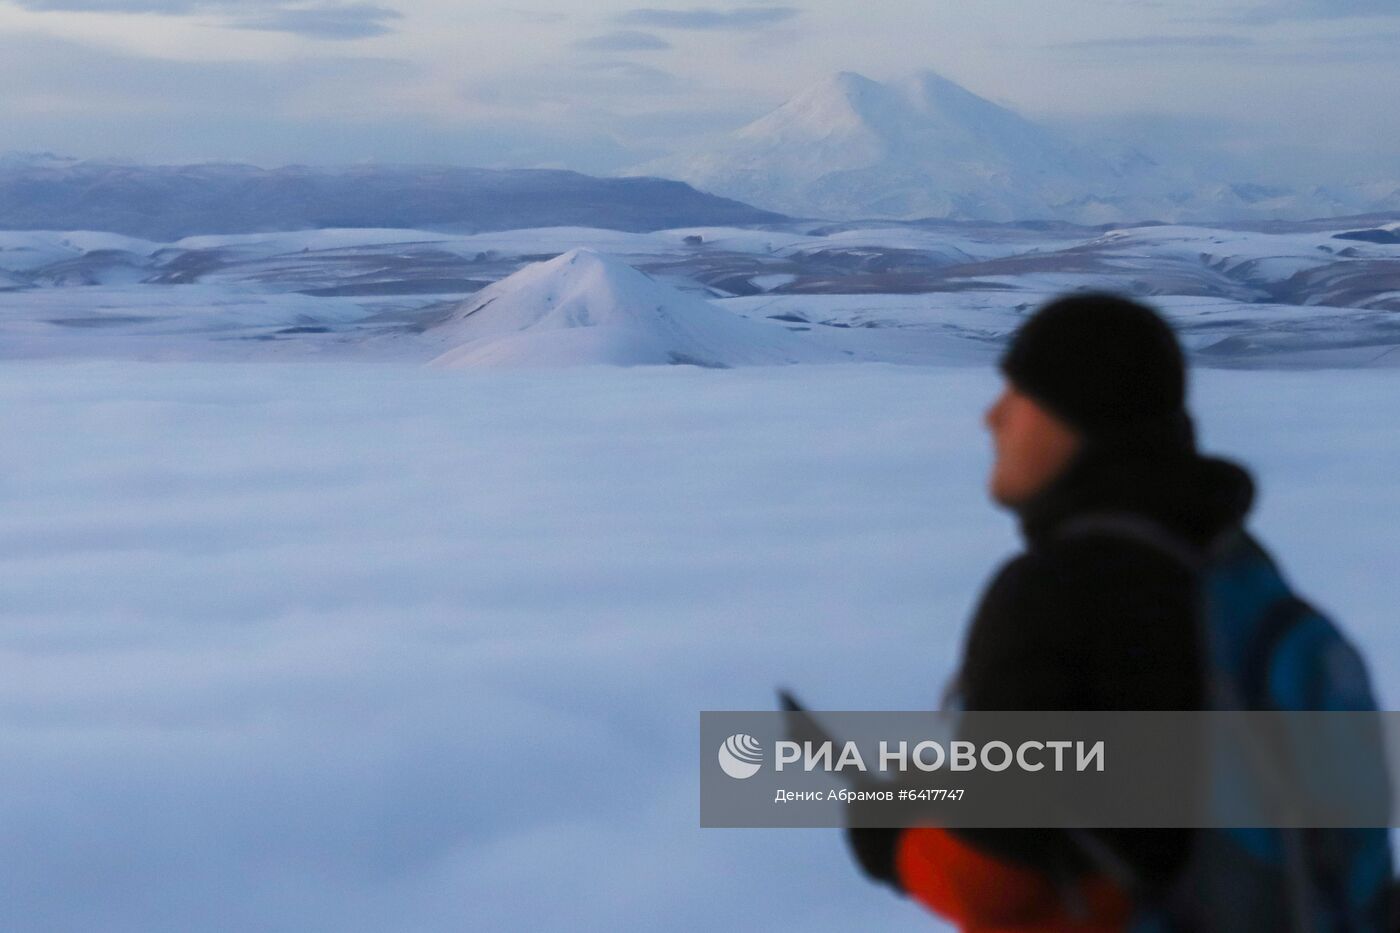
(1305, 663)
(1257, 675)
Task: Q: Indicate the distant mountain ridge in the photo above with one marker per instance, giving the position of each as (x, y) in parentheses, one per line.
(47, 192)
(926, 147)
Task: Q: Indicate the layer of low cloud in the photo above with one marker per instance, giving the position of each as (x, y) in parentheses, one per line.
(737, 18)
(316, 648)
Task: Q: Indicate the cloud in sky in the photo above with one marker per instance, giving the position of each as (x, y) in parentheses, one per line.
(587, 94)
(1155, 42)
(317, 21)
(69, 74)
(537, 16)
(356, 21)
(738, 18)
(93, 102)
(1332, 9)
(625, 40)
(633, 75)
(118, 6)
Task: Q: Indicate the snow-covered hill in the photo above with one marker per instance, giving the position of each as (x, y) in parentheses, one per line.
(585, 307)
(927, 147)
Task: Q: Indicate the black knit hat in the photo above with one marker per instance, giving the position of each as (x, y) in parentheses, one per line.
(1110, 367)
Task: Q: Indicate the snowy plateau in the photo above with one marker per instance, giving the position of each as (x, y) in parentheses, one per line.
(1308, 294)
(347, 583)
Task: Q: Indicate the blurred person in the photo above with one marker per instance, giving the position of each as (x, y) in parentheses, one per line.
(1110, 607)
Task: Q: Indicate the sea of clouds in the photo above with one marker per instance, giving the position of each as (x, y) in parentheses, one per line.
(352, 646)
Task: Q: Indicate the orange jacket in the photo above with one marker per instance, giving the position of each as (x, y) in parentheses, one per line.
(986, 895)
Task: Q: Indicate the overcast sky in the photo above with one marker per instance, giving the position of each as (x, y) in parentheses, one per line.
(1307, 86)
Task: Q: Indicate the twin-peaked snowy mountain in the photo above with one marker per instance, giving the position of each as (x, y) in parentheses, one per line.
(923, 147)
(927, 147)
(585, 307)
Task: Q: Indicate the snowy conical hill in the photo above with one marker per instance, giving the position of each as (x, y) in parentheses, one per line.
(585, 307)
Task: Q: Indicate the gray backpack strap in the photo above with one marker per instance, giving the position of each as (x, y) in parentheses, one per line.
(1132, 527)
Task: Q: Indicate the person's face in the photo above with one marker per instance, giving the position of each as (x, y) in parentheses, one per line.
(1032, 447)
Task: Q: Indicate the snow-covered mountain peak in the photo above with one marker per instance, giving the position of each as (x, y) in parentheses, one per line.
(845, 109)
(851, 104)
(844, 91)
(932, 94)
(951, 107)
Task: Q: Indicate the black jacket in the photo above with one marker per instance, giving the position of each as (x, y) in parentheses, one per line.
(1100, 622)
(1094, 622)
